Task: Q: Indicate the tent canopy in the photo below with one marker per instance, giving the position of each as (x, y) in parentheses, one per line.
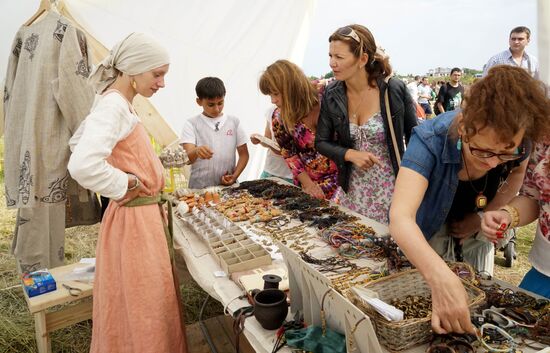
(231, 39)
(234, 40)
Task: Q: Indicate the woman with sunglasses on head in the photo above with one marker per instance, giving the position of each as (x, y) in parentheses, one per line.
(294, 122)
(355, 130)
(456, 166)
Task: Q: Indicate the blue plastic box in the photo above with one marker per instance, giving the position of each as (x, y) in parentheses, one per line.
(38, 282)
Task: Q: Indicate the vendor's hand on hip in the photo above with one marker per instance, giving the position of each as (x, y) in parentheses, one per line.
(132, 193)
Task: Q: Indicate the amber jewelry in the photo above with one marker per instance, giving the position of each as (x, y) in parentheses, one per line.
(481, 199)
(541, 331)
(414, 306)
(134, 84)
(323, 318)
(440, 348)
(329, 264)
(484, 338)
(450, 344)
(514, 213)
(277, 222)
(355, 277)
(351, 341)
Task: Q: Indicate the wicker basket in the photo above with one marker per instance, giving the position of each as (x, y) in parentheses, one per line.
(404, 334)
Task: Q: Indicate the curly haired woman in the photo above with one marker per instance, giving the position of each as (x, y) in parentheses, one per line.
(533, 202)
(457, 165)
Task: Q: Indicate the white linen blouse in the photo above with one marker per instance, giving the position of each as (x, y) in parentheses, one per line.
(110, 120)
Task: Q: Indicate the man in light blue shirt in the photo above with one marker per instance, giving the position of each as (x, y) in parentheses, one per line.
(516, 55)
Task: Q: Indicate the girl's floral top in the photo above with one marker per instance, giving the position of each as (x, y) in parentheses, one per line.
(536, 185)
(298, 150)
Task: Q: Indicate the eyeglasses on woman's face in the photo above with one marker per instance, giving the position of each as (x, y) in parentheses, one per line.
(481, 153)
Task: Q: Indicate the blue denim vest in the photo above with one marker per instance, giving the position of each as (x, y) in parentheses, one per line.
(432, 153)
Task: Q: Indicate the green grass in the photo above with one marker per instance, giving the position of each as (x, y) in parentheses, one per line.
(524, 240)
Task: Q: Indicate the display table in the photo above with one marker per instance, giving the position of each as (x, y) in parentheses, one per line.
(202, 265)
(311, 291)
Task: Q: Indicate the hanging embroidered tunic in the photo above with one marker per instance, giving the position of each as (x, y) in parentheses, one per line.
(46, 96)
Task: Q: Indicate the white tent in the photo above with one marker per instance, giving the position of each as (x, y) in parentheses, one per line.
(231, 39)
(543, 14)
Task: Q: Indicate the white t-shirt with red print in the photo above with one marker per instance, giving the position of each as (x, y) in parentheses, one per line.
(222, 135)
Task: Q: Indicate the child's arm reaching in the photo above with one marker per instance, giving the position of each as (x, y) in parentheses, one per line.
(194, 152)
(229, 179)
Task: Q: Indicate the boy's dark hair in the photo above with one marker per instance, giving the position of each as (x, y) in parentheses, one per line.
(210, 88)
(456, 69)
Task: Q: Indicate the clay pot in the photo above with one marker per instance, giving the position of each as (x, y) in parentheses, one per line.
(270, 308)
(271, 281)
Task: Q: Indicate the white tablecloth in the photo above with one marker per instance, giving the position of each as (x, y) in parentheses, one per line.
(202, 265)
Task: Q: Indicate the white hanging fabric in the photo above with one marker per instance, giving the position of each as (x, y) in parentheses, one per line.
(234, 40)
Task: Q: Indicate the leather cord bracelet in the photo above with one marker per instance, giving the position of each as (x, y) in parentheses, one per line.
(136, 185)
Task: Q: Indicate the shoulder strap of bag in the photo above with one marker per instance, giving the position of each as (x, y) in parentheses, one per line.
(390, 123)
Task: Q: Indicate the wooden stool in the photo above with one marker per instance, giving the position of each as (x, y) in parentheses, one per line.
(46, 322)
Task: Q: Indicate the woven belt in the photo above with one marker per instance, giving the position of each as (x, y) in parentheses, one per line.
(159, 199)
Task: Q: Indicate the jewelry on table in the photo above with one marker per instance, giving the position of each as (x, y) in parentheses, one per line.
(323, 318)
(350, 340)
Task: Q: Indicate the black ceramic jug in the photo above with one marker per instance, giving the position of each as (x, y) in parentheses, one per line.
(270, 308)
(271, 281)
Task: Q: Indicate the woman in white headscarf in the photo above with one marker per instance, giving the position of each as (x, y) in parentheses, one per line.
(136, 299)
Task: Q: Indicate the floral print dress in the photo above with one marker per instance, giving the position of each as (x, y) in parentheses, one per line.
(536, 186)
(370, 191)
(298, 150)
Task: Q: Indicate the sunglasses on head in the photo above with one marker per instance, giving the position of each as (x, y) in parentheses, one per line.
(349, 32)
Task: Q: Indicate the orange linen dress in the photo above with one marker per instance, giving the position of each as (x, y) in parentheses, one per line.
(135, 303)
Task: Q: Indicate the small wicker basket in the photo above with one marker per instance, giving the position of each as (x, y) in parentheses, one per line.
(405, 334)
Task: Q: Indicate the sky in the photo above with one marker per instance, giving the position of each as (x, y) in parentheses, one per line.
(423, 34)
(417, 34)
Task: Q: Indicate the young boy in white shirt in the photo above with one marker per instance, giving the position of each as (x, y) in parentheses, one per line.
(211, 138)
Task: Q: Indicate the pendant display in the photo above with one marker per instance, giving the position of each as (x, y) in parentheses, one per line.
(481, 201)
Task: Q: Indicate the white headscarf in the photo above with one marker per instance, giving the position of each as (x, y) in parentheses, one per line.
(134, 55)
